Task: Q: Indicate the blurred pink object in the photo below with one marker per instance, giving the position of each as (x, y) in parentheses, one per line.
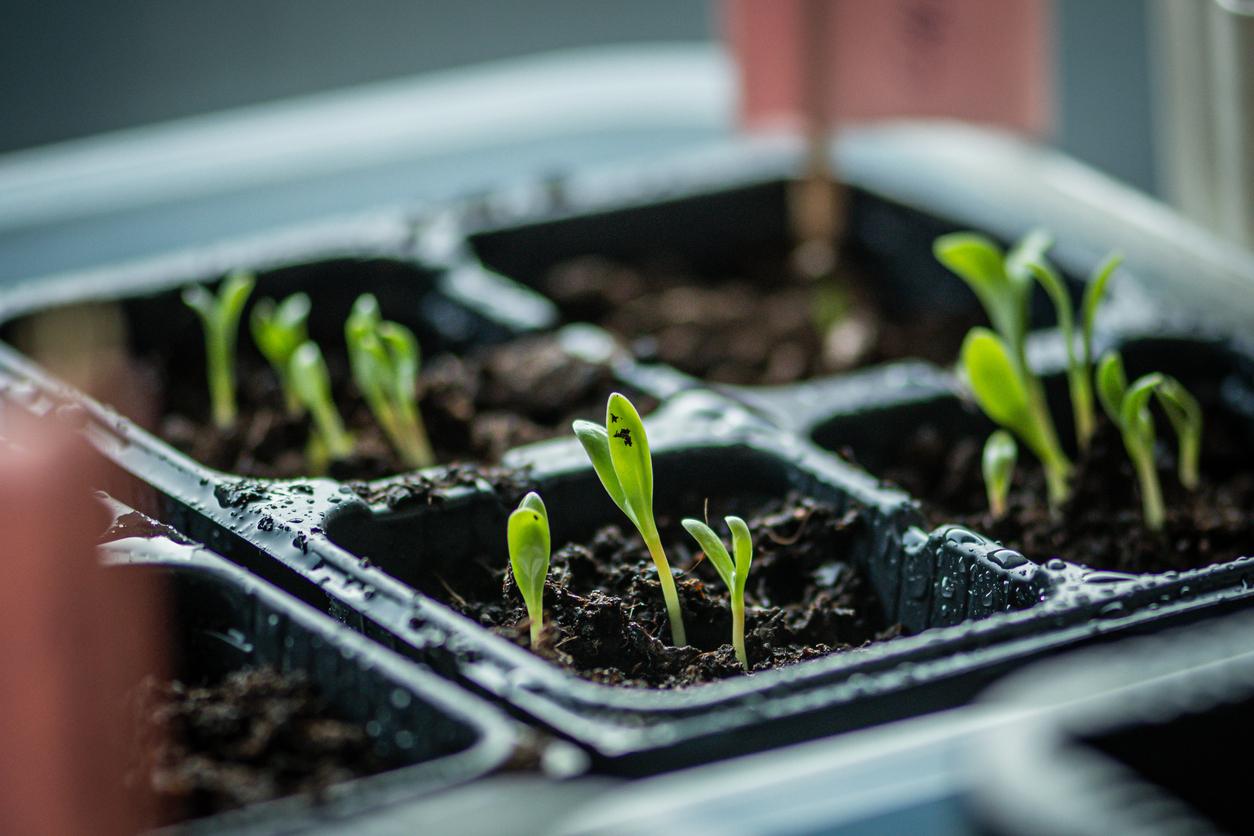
(74, 639)
(985, 61)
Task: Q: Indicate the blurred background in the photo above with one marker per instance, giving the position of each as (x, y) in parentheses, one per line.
(250, 115)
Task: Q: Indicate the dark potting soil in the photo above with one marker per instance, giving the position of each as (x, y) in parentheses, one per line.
(606, 618)
(255, 736)
(475, 408)
(1102, 525)
(758, 326)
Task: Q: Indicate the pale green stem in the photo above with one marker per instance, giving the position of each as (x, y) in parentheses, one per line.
(738, 628)
(669, 592)
(996, 500)
(1151, 493)
(338, 442)
(536, 616)
(416, 450)
(1189, 453)
(1082, 407)
(1057, 465)
(221, 376)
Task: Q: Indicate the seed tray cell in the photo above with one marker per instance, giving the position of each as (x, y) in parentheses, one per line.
(220, 620)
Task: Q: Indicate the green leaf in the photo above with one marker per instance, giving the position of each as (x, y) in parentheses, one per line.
(995, 379)
(596, 443)
(714, 550)
(980, 263)
(1030, 248)
(1094, 293)
(1049, 279)
(629, 452)
(1185, 415)
(527, 533)
(403, 359)
(278, 330)
(742, 548)
(1112, 385)
(201, 301)
(1134, 414)
(234, 293)
(312, 384)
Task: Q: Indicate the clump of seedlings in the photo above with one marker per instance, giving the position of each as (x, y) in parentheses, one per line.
(220, 316)
(1010, 393)
(733, 572)
(528, 536)
(385, 360)
(278, 330)
(311, 383)
(619, 452)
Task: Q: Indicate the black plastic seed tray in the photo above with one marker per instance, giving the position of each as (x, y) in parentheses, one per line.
(1138, 737)
(972, 608)
(221, 619)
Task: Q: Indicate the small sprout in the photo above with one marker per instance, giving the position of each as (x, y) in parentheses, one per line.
(734, 573)
(385, 360)
(1000, 453)
(619, 452)
(220, 317)
(1079, 365)
(311, 382)
(528, 536)
(1004, 395)
(1185, 415)
(278, 330)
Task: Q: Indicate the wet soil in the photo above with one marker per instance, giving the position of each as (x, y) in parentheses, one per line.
(1102, 525)
(475, 408)
(759, 326)
(606, 619)
(255, 736)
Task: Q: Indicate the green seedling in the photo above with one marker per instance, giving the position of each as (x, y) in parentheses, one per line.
(1000, 453)
(1128, 408)
(528, 536)
(385, 360)
(278, 330)
(619, 452)
(220, 317)
(1079, 363)
(1005, 396)
(733, 572)
(311, 382)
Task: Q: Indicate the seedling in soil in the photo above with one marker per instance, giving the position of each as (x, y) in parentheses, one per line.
(278, 331)
(385, 359)
(1128, 407)
(528, 536)
(998, 462)
(619, 452)
(733, 572)
(311, 382)
(220, 317)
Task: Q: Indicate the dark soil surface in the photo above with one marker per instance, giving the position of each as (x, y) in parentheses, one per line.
(475, 408)
(757, 327)
(256, 736)
(606, 619)
(1102, 525)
